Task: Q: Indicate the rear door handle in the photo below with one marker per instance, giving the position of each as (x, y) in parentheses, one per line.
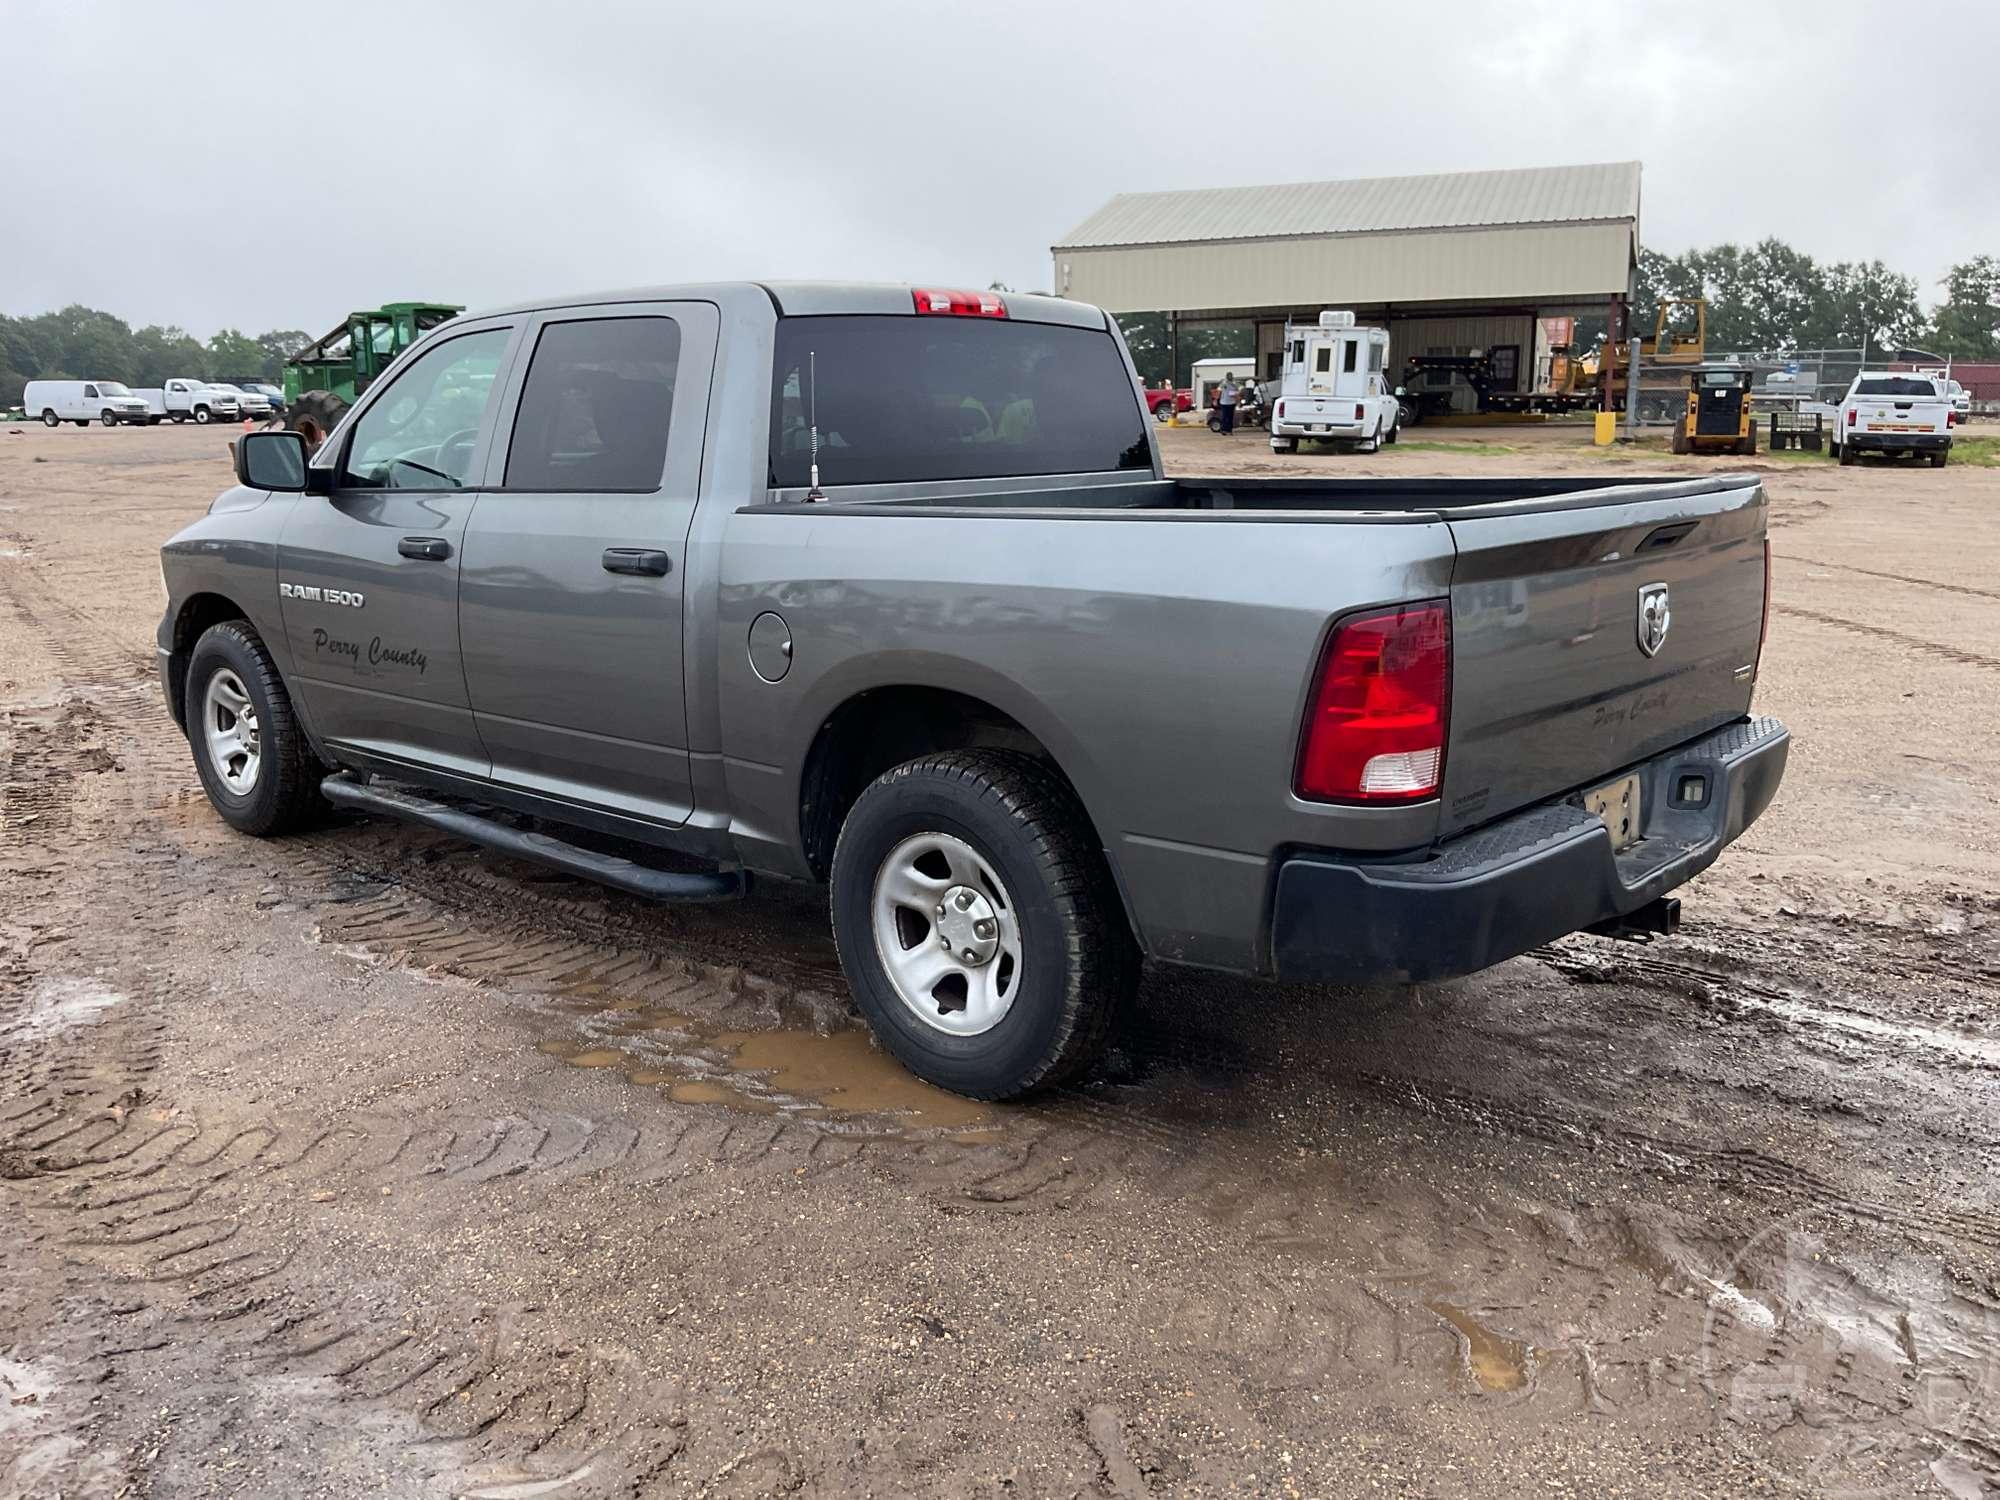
(647, 562)
(425, 548)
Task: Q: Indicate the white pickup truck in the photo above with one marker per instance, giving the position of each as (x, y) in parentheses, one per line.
(1894, 413)
(1334, 386)
(185, 397)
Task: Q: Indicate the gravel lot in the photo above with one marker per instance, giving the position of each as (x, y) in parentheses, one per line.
(365, 1163)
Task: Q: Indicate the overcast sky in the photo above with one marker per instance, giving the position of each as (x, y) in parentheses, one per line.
(270, 165)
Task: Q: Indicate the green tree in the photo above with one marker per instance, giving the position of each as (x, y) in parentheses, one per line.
(234, 356)
(1866, 298)
(279, 346)
(1968, 320)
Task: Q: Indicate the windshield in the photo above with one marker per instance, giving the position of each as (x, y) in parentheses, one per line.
(904, 399)
(1896, 385)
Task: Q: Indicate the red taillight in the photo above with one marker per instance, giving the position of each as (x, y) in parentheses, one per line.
(1951, 417)
(959, 304)
(1279, 410)
(1360, 412)
(1375, 731)
(1851, 415)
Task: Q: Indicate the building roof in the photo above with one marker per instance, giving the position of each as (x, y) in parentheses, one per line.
(1368, 205)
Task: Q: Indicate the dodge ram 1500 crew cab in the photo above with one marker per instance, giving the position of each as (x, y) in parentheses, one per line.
(885, 588)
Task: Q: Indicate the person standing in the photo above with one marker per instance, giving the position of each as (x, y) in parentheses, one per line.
(1225, 403)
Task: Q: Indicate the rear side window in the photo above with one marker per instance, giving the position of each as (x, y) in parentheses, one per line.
(1895, 387)
(910, 399)
(1323, 360)
(1347, 359)
(595, 408)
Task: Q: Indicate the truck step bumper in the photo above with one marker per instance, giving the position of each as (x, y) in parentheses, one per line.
(344, 790)
(1527, 879)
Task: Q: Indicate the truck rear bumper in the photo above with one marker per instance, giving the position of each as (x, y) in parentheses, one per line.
(1897, 442)
(1525, 880)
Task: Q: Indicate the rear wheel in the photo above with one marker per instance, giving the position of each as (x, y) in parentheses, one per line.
(1395, 431)
(1939, 458)
(50, 419)
(1284, 445)
(179, 417)
(978, 924)
(1846, 452)
(249, 751)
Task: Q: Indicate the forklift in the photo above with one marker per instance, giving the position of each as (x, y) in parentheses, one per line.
(1718, 418)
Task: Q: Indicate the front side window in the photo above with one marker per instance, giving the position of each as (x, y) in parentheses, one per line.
(1375, 352)
(908, 399)
(90, 392)
(421, 432)
(594, 410)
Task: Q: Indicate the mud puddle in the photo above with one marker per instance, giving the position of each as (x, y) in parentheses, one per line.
(840, 1078)
(1496, 1363)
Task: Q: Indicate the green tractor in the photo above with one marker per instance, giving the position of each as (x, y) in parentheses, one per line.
(323, 379)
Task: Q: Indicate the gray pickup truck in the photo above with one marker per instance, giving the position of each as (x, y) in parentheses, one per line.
(885, 588)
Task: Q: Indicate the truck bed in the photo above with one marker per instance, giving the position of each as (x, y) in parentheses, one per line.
(1374, 499)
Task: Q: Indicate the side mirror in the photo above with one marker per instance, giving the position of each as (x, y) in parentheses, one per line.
(1402, 390)
(272, 461)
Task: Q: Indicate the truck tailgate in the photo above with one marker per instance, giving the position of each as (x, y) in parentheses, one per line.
(1553, 688)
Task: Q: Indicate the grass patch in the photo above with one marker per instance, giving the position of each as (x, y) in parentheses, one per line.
(1470, 445)
(1983, 452)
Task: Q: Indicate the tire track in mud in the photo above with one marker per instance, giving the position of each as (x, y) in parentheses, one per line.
(1896, 637)
(1937, 585)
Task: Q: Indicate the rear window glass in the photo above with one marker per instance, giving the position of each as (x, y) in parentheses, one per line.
(901, 400)
(594, 411)
(1887, 386)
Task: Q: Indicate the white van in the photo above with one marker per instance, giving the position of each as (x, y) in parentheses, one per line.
(1335, 385)
(82, 402)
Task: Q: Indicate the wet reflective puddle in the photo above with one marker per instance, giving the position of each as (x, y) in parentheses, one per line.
(839, 1077)
(1496, 1363)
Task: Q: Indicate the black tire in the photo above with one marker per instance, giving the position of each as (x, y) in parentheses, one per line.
(1395, 431)
(1847, 454)
(285, 794)
(153, 421)
(179, 417)
(50, 419)
(1079, 965)
(108, 417)
(203, 415)
(314, 415)
(1163, 411)
(1284, 445)
(1939, 458)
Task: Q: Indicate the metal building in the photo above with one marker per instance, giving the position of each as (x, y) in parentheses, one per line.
(1450, 263)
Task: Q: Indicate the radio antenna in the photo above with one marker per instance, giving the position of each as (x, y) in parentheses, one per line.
(812, 416)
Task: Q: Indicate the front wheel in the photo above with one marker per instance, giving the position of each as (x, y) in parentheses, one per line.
(202, 414)
(978, 924)
(249, 751)
(50, 419)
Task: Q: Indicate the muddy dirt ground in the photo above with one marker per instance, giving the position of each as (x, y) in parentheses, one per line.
(363, 1163)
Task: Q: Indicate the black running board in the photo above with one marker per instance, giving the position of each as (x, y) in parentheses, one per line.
(343, 790)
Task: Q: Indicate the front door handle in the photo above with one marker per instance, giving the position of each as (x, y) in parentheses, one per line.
(647, 562)
(425, 548)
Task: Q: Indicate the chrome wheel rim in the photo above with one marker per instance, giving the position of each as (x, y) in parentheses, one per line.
(229, 729)
(947, 934)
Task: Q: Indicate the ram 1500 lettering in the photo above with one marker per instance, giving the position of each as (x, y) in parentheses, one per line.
(885, 588)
